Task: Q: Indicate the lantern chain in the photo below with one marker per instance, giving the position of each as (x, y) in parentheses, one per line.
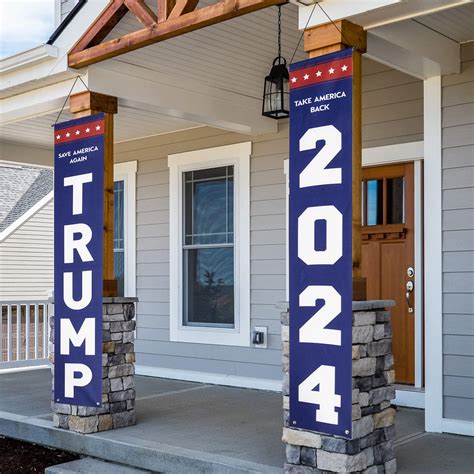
(279, 32)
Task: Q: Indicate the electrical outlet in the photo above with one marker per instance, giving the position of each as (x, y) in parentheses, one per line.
(264, 331)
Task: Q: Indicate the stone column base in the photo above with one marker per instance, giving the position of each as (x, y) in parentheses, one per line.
(118, 374)
(371, 449)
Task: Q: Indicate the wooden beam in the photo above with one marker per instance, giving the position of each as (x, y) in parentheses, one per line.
(182, 7)
(322, 40)
(212, 14)
(328, 38)
(142, 11)
(102, 26)
(165, 7)
(89, 103)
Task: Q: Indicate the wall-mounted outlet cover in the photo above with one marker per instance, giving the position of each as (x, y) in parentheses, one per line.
(264, 330)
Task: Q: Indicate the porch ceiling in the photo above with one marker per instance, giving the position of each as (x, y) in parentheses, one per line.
(456, 23)
(234, 55)
(130, 123)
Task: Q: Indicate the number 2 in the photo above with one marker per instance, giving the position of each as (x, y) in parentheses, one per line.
(316, 173)
(315, 330)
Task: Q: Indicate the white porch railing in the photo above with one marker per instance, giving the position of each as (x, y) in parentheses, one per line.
(23, 333)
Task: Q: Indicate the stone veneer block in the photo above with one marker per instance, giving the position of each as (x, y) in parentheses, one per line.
(118, 374)
(371, 448)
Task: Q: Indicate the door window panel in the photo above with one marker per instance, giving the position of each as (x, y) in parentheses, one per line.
(374, 202)
(396, 200)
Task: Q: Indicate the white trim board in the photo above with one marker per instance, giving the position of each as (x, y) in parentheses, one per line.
(27, 215)
(384, 155)
(458, 427)
(410, 398)
(210, 378)
(126, 172)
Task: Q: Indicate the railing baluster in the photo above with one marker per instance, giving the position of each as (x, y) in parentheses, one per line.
(1, 333)
(45, 331)
(9, 334)
(27, 332)
(36, 329)
(18, 331)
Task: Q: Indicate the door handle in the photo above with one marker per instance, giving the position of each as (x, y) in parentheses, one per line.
(409, 287)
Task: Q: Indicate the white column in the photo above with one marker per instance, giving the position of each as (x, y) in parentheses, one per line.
(433, 255)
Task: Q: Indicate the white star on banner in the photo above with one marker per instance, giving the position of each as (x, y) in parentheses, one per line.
(306, 77)
(78, 132)
(293, 80)
(58, 137)
(68, 134)
(88, 130)
(344, 68)
(331, 71)
(98, 127)
(318, 74)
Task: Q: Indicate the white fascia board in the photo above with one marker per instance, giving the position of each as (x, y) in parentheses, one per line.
(36, 55)
(372, 13)
(37, 102)
(149, 90)
(309, 15)
(437, 54)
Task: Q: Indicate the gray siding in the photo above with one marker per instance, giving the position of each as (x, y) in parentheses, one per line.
(26, 258)
(385, 122)
(392, 106)
(458, 240)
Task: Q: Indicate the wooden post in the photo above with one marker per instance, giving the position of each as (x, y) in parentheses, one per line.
(326, 39)
(89, 103)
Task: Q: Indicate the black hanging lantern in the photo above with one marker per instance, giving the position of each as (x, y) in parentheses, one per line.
(275, 93)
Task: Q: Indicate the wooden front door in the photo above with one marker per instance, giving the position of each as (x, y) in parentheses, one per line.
(388, 254)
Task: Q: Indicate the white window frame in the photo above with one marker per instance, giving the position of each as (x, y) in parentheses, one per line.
(127, 172)
(238, 156)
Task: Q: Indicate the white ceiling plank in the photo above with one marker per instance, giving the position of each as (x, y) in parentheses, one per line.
(205, 105)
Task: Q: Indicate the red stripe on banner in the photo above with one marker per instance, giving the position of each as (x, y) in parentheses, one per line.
(78, 132)
(323, 72)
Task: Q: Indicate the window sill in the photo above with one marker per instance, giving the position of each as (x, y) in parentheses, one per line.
(206, 335)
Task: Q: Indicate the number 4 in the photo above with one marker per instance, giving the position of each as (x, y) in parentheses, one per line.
(325, 397)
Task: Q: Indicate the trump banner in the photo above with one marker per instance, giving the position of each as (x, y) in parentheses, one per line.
(320, 244)
(78, 229)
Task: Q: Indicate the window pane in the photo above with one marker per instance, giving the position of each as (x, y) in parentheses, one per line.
(119, 243)
(208, 206)
(209, 286)
(396, 200)
(375, 202)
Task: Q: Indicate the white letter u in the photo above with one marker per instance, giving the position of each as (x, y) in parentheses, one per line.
(86, 290)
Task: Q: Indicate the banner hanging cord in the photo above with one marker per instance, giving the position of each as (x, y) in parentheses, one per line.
(307, 23)
(69, 95)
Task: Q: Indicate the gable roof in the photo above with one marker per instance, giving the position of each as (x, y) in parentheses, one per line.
(21, 188)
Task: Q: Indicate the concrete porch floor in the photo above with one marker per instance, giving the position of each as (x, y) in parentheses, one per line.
(186, 427)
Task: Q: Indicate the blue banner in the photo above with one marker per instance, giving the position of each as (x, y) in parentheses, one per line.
(320, 246)
(78, 254)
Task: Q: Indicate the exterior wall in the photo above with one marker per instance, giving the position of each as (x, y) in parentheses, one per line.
(26, 258)
(458, 240)
(385, 122)
(392, 106)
